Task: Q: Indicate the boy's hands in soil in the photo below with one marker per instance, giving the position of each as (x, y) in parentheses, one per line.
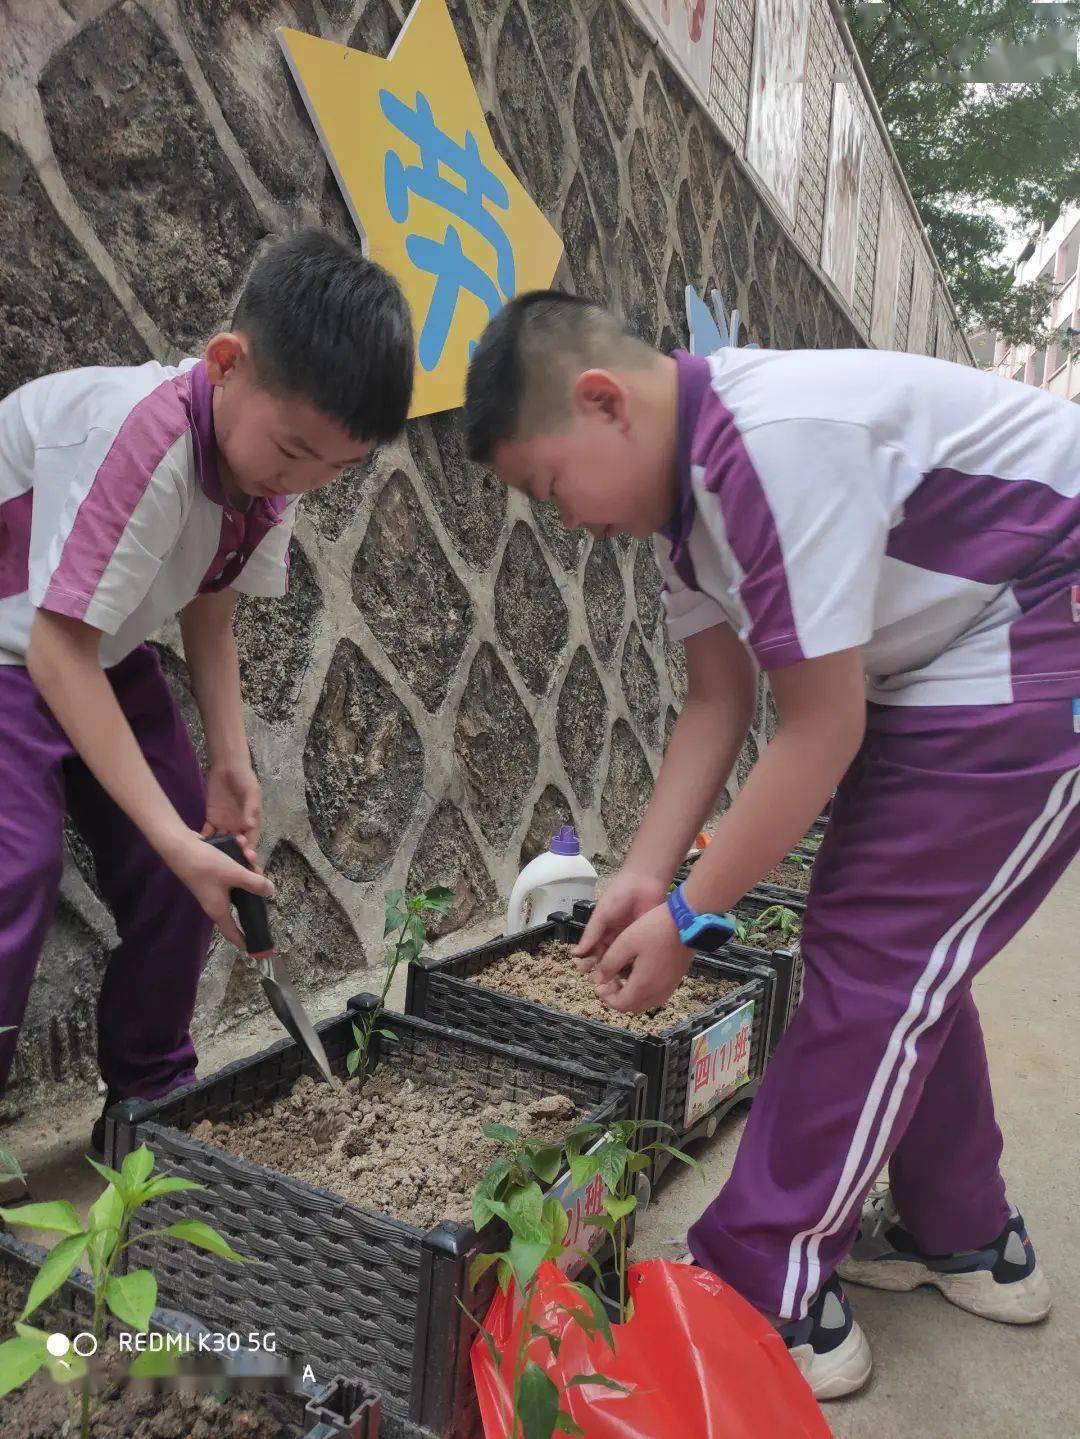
(644, 966)
(210, 875)
(234, 803)
(626, 899)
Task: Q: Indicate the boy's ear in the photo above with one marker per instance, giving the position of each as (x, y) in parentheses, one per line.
(602, 395)
(225, 354)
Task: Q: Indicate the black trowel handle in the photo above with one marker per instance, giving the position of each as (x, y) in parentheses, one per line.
(251, 911)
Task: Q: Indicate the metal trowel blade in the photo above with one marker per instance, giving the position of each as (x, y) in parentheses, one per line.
(286, 1005)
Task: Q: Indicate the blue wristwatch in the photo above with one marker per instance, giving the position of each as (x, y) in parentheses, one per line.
(698, 931)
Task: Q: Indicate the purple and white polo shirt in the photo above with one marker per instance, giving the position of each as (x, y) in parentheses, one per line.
(112, 509)
(923, 510)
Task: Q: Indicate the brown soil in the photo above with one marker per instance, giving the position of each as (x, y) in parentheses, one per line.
(39, 1409)
(550, 976)
(400, 1144)
(790, 875)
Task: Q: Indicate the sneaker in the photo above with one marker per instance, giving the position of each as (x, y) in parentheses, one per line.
(1002, 1281)
(828, 1347)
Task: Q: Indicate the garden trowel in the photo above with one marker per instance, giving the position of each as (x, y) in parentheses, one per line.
(253, 919)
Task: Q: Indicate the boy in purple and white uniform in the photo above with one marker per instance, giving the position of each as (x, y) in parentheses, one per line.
(128, 496)
(896, 542)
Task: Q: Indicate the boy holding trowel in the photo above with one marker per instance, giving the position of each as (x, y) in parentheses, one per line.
(127, 496)
(896, 542)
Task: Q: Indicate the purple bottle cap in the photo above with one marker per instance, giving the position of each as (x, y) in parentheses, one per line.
(566, 841)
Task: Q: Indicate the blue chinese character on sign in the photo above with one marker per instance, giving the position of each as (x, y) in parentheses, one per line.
(467, 202)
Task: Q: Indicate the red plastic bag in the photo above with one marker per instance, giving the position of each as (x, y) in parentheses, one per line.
(696, 1360)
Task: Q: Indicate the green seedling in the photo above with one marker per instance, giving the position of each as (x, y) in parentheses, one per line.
(513, 1190)
(103, 1239)
(778, 918)
(607, 1151)
(404, 919)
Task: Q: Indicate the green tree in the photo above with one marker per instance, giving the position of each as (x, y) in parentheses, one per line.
(972, 143)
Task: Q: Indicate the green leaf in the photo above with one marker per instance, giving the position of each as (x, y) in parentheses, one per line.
(525, 1207)
(502, 1132)
(162, 1364)
(479, 1266)
(111, 1176)
(613, 1159)
(600, 1221)
(599, 1314)
(194, 1231)
(392, 910)
(526, 1257)
(580, 1380)
(417, 931)
(619, 1208)
(56, 1267)
(352, 1061)
(582, 1169)
(555, 1220)
(163, 1184)
(553, 1341)
(388, 1034)
(132, 1297)
(686, 1159)
(104, 1220)
(58, 1216)
(546, 1162)
(637, 1162)
(565, 1425)
(438, 894)
(20, 1360)
(138, 1166)
(538, 1403)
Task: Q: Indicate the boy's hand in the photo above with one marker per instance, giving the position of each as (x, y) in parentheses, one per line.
(657, 961)
(210, 875)
(626, 898)
(234, 803)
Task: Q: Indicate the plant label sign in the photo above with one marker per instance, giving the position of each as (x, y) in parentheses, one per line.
(719, 1062)
(588, 1199)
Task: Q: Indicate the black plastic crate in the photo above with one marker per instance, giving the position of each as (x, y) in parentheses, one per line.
(787, 964)
(341, 1409)
(450, 991)
(351, 1290)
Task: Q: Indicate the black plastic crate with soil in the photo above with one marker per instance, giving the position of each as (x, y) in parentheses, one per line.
(338, 1409)
(451, 991)
(351, 1290)
(785, 964)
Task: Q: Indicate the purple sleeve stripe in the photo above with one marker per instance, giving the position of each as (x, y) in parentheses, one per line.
(16, 516)
(751, 533)
(141, 443)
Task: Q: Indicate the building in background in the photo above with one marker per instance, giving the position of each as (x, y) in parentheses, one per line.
(1056, 367)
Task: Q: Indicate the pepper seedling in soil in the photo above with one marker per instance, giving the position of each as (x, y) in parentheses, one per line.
(130, 1297)
(511, 1191)
(405, 917)
(777, 919)
(611, 1157)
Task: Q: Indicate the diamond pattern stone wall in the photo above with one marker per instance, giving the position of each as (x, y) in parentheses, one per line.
(452, 676)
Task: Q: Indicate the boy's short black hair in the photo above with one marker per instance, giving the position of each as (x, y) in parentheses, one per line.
(328, 324)
(520, 373)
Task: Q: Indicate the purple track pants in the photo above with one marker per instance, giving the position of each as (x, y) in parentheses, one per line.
(947, 833)
(148, 993)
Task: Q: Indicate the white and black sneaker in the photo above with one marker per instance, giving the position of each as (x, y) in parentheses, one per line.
(1001, 1281)
(828, 1346)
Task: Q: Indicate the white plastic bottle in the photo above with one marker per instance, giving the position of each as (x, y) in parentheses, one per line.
(553, 881)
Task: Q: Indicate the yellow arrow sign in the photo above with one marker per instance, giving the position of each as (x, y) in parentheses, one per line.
(431, 196)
